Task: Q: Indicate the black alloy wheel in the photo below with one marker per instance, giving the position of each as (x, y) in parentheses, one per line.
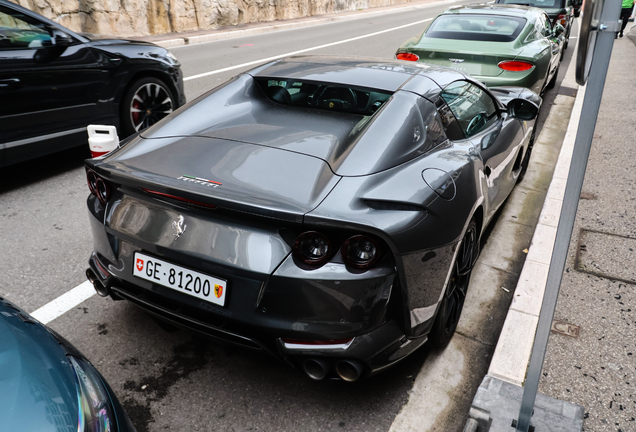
(146, 102)
(553, 81)
(526, 158)
(452, 304)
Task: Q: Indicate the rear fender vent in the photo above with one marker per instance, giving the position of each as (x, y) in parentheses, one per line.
(393, 205)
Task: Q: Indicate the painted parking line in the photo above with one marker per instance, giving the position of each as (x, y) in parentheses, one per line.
(268, 59)
(64, 303)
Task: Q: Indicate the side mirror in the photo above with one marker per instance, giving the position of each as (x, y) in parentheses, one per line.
(558, 30)
(53, 48)
(522, 109)
(60, 38)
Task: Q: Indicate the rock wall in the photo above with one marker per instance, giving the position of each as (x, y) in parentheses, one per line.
(145, 17)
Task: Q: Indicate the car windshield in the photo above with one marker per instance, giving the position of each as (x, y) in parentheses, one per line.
(544, 4)
(493, 28)
(325, 96)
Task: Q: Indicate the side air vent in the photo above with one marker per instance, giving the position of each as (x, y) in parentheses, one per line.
(393, 205)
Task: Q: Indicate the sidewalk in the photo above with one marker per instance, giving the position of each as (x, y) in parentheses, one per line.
(597, 368)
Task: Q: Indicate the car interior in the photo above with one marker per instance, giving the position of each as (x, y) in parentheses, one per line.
(326, 96)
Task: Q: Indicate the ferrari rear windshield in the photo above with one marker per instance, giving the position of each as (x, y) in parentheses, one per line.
(324, 96)
(489, 28)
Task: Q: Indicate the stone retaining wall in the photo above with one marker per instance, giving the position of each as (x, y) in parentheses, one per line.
(146, 17)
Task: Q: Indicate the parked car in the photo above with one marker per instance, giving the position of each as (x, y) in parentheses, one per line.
(498, 45)
(46, 384)
(325, 210)
(54, 82)
(560, 11)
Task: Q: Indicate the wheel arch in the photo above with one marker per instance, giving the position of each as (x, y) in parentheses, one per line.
(148, 73)
(135, 78)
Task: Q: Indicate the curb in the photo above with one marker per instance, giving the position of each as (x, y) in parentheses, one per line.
(216, 35)
(512, 354)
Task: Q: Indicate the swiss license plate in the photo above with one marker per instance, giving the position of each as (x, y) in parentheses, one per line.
(180, 279)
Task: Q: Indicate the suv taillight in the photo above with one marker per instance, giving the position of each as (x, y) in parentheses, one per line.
(562, 19)
(515, 66)
(407, 56)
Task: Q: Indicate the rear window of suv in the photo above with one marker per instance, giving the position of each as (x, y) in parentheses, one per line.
(491, 28)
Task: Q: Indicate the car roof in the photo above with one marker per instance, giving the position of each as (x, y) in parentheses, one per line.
(494, 9)
(373, 73)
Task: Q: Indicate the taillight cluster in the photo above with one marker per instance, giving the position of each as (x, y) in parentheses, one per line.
(407, 56)
(561, 19)
(315, 249)
(98, 186)
(515, 65)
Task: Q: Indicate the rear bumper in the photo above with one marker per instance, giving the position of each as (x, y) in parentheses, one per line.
(263, 304)
(377, 349)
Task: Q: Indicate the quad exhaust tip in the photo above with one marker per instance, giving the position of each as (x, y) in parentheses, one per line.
(316, 368)
(99, 287)
(349, 370)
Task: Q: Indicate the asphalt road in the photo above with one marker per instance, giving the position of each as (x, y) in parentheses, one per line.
(179, 381)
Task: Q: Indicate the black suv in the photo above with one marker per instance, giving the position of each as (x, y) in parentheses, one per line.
(54, 82)
(560, 11)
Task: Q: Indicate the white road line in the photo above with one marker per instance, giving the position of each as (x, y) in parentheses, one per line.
(265, 60)
(64, 303)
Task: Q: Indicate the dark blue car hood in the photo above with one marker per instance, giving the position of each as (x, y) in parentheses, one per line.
(37, 385)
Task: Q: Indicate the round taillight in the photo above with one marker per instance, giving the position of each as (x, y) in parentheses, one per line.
(360, 251)
(515, 65)
(312, 248)
(102, 190)
(91, 178)
(407, 56)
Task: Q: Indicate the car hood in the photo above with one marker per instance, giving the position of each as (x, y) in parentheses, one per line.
(37, 385)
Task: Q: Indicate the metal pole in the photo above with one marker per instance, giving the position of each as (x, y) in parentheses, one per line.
(585, 132)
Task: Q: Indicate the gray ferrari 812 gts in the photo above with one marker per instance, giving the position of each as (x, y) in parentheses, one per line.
(324, 210)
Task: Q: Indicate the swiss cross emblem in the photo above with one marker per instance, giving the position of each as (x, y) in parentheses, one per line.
(140, 264)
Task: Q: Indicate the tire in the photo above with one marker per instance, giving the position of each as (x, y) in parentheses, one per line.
(450, 309)
(526, 158)
(146, 101)
(553, 81)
